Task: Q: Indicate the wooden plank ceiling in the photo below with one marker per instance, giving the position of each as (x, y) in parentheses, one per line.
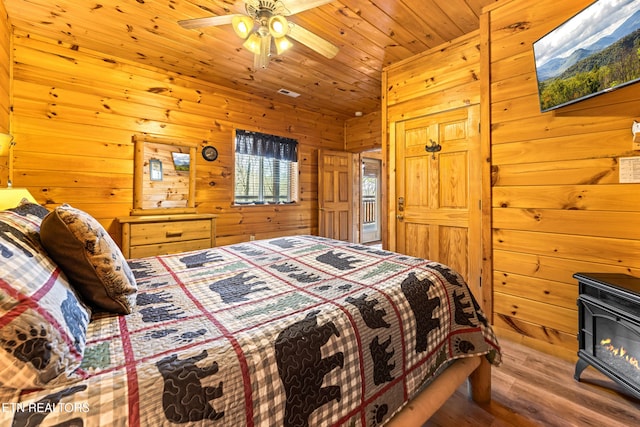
(371, 34)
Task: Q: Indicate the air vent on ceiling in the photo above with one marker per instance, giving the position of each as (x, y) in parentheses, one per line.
(288, 93)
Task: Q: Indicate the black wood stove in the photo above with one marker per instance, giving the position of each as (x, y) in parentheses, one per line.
(609, 327)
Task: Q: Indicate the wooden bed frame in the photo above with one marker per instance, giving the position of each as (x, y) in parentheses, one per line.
(476, 369)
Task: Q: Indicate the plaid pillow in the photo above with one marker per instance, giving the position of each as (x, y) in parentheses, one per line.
(43, 324)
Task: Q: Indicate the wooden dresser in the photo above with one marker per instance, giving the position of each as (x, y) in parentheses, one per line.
(149, 235)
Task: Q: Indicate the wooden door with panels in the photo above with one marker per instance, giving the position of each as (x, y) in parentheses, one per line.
(438, 190)
(335, 194)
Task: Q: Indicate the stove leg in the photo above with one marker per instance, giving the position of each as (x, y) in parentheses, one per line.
(580, 366)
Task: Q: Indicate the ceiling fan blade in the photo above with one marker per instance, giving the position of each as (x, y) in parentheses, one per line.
(210, 21)
(297, 6)
(312, 40)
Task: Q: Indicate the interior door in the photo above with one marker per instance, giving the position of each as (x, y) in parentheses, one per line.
(335, 195)
(438, 189)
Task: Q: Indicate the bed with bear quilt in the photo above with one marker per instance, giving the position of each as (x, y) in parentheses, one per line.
(291, 331)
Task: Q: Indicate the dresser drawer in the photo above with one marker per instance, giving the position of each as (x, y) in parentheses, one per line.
(174, 231)
(151, 235)
(168, 248)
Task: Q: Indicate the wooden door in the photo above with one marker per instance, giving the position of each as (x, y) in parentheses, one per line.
(438, 190)
(335, 194)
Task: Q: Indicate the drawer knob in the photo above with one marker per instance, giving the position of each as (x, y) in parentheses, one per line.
(171, 234)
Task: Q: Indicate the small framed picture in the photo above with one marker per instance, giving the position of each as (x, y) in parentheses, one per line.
(181, 161)
(155, 170)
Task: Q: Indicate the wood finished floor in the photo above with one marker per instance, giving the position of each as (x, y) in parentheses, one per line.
(531, 388)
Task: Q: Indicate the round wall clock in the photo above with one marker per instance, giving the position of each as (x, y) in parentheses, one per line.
(209, 153)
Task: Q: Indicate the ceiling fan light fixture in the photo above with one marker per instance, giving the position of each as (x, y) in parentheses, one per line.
(264, 23)
(253, 43)
(242, 25)
(282, 44)
(278, 26)
(261, 58)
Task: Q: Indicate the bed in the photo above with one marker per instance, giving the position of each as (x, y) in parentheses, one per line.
(291, 331)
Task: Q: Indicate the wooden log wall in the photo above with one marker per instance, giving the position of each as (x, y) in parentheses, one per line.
(5, 91)
(440, 79)
(558, 206)
(75, 112)
(363, 133)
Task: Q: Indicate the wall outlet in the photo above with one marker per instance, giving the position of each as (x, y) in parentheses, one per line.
(252, 237)
(635, 129)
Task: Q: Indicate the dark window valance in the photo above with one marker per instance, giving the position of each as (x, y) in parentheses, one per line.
(269, 146)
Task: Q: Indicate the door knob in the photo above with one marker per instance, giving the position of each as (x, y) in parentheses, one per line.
(400, 217)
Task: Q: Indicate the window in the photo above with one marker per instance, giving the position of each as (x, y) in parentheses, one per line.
(266, 169)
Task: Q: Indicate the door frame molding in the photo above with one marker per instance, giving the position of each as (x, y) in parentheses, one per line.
(379, 191)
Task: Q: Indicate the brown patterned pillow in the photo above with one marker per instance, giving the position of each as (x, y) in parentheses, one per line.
(90, 258)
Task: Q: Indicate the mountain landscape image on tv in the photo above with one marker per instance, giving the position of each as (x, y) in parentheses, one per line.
(595, 51)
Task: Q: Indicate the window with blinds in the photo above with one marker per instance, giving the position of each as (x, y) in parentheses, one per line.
(266, 169)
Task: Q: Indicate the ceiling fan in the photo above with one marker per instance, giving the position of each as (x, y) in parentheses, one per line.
(263, 22)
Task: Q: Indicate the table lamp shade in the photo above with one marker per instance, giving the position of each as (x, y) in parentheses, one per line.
(11, 197)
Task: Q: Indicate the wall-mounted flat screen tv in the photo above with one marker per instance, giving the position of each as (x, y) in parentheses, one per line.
(595, 51)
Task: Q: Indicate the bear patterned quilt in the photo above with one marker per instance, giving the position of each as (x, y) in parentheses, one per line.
(292, 331)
